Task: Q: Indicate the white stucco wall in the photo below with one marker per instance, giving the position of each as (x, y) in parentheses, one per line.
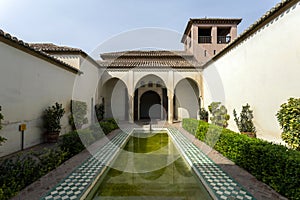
(262, 71)
(28, 86)
(85, 86)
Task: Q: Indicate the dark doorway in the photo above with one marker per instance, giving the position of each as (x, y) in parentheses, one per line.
(150, 105)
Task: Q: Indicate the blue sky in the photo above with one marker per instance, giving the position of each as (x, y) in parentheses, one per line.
(86, 24)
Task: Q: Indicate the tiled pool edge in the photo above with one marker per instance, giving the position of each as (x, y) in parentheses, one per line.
(218, 183)
(86, 174)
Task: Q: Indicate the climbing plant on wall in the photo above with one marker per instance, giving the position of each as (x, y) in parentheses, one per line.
(2, 139)
(78, 114)
(219, 114)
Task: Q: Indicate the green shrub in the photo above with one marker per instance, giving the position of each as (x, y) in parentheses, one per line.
(108, 125)
(190, 125)
(2, 139)
(289, 119)
(96, 131)
(99, 110)
(203, 114)
(219, 114)
(275, 165)
(52, 158)
(78, 112)
(52, 116)
(86, 136)
(19, 171)
(244, 122)
(71, 143)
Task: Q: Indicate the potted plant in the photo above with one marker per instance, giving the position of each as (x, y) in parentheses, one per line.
(203, 114)
(52, 116)
(244, 122)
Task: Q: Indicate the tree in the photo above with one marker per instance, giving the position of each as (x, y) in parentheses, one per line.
(289, 119)
(244, 122)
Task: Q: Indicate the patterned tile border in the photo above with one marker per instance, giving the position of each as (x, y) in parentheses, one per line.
(80, 180)
(219, 184)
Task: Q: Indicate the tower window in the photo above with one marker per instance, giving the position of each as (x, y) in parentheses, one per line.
(205, 53)
(223, 35)
(215, 52)
(204, 35)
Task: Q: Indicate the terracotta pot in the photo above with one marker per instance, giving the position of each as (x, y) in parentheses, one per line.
(52, 137)
(250, 134)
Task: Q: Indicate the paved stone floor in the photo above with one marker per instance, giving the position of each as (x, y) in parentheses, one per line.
(258, 189)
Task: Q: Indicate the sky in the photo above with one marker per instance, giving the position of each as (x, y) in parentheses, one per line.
(88, 24)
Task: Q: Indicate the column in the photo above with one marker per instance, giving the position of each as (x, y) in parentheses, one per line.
(214, 34)
(131, 95)
(170, 107)
(131, 109)
(170, 87)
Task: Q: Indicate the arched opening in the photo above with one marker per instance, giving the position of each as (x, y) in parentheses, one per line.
(115, 96)
(186, 99)
(150, 105)
(150, 93)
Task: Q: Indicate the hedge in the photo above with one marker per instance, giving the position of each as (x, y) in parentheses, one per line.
(19, 171)
(275, 165)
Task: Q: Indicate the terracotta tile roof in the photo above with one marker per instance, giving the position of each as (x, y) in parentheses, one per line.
(272, 13)
(49, 47)
(148, 59)
(20, 44)
(208, 21)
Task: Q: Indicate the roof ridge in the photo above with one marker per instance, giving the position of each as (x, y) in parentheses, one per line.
(27, 46)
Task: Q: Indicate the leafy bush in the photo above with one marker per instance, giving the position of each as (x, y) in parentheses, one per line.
(190, 125)
(276, 165)
(99, 110)
(107, 127)
(78, 112)
(52, 117)
(2, 139)
(289, 119)
(244, 122)
(219, 114)
(71, 143)
(203, 114)
(19, 171)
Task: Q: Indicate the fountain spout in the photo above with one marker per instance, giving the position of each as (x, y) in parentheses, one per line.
(150, 126)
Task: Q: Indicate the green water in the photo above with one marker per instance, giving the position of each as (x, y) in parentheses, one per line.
(150, 167)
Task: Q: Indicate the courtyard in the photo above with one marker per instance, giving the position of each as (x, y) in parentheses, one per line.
(140, 118)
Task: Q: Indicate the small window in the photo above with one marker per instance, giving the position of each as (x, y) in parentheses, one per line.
(150, 84)
(205, 53)
(215, 52)
(142, 84)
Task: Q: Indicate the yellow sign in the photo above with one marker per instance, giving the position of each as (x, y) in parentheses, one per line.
(22, 127)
